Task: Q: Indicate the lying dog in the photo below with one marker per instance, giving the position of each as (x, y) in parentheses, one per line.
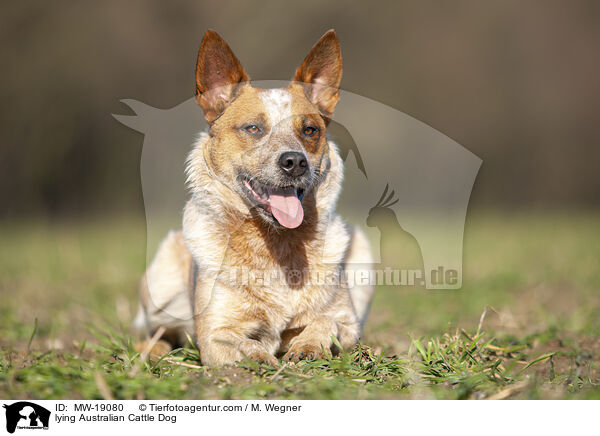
(264, 183)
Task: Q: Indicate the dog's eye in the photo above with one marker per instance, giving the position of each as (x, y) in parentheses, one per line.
(309, 130)
(253, 129)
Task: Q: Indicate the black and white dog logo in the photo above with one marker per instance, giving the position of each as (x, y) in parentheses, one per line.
(26, 415)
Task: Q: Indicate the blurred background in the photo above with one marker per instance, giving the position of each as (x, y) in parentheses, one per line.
(516, 83)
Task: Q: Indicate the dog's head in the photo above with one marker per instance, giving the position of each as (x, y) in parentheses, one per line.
(268, 145)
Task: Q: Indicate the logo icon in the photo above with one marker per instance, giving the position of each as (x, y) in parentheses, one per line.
(26, 415)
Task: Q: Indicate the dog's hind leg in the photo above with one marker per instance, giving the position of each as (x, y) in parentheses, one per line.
(164, 294)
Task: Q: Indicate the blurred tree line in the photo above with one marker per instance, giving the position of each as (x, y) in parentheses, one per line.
(515, 82)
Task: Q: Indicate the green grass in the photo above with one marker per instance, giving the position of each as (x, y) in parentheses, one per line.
(525, 325)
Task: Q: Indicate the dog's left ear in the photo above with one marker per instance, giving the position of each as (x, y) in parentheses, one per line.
(219, 76)
(321, 72)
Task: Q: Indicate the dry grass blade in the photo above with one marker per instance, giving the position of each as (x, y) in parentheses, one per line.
(144, 354)
(187, 365)
(274, 376)
(481, 318)
(102, 386)
(505, 393)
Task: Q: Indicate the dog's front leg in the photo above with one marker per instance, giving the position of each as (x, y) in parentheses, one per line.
(226, 345)
(314, 341)
(224, 331)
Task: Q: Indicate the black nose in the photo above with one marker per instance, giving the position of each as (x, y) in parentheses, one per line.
(293, 163)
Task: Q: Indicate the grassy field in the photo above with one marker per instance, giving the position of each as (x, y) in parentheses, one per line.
(525, 325)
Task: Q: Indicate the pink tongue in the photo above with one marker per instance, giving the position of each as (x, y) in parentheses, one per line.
(286, 207)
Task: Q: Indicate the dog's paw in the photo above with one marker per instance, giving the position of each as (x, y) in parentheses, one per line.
(305, 350)
(255, 351)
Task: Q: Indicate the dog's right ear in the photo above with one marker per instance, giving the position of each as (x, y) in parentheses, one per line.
(219, 76)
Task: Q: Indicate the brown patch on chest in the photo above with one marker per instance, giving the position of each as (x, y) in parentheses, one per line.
(257, 246)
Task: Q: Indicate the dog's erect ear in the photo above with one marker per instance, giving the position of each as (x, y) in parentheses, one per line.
(321, 72)
(219, 76)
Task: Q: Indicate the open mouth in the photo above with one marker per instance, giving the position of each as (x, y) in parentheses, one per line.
(283, 203)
